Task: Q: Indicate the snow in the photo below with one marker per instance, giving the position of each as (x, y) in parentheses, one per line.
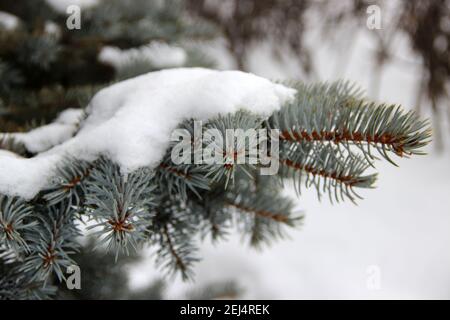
(132, 121)
(62, 5)
(158, 54)
(70, 116)
(45, 137)
(6, 153)
(8, 21)
(51, 28)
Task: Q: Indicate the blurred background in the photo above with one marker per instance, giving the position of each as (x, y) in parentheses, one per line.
(55, 54)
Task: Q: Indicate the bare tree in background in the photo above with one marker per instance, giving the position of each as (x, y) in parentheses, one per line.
(246, 22)
(426, 23)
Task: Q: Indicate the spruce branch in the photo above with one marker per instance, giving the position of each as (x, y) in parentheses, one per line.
(182, 178)
(15, 216)
(331, 113)
(51, 243)
(173, 229)
(69, 183)
(325, 168)
(262, 211)
(275, 216)
(120, 203)
(16, 285)
(239, 136)
(216, 219)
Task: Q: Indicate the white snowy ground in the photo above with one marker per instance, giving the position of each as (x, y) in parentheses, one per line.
(394, 244)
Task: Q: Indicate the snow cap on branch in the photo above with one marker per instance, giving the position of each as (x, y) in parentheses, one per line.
(45, 137)
(131, 121)
(158, 54)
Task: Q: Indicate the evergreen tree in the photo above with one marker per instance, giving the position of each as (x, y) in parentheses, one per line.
(46, 67)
